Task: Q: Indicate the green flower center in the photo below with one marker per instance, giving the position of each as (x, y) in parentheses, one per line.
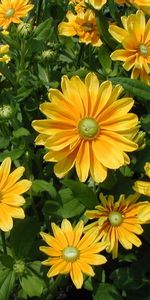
(9, 13)
(88, 128)
(19, 266)
(70, 254)
(143, 49)
(115, 218)
(88, 27)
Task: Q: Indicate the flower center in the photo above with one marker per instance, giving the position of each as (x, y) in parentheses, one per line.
(70, 254)
(115, 218)
(88, 128)
(143, 49)
(88, 27)
(9, 13)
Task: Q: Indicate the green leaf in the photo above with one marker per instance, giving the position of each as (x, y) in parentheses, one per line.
(32, 284)
(4, 142)
(39, 186)
(145, 122)
(135, 87)
(5, 71)
(82, 193)
(21, 132)
(7, 261)
(23, 235)
(106, 291)
(7, 280)
(126, 278)
(43, 75)
(43, 31)
(14, 154)
(71, 207)
(104, 58)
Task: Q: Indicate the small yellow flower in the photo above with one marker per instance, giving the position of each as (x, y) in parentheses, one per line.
(147, 169)
(143, 187)
(10, 194)
(79, 5)
(12, 10)
(119, 222)
(97, 4)
(88, 127)
(135, 40)
(82, 25)
(72, 252)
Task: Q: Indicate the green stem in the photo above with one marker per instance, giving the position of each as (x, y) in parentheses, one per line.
(3, 242)
(39, 12)
(80, 54)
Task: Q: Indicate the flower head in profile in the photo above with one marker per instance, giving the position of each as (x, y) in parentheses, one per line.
(11, 190)
(82, 25)
(97, 4)
(11, 11)
(135, 40)
(119, 222)
(71, 252)
(143, 187)
(88, 127)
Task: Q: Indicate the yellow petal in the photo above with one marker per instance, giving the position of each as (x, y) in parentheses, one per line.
(76, 275)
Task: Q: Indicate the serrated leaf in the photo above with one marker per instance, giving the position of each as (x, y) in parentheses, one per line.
(82, 193)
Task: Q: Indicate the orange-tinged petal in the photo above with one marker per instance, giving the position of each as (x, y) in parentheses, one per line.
(4, 171)
(57, 268)
(20, 187)
(51, 241)
(83, 161)
(118, 33)
(78, 231)
(58, 233)
(85, 268)
(76, 275)
(93, 259)
(13, 178)
(50, 251)
(6, 222)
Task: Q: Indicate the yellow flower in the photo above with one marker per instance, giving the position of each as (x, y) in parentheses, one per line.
(83, 25)
(70, 252)
(79, 5)
(87, 126)
(10, 194)
(143, 187)
(97, 4)
(147, 169)
(119, 221)
(135, 40)
(12, 10)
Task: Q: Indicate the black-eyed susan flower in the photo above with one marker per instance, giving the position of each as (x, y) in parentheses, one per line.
(83, 25)
(11, 191)
(135, 39)
(88, 127)
(119, 222)
(71, 252)
(11, 11)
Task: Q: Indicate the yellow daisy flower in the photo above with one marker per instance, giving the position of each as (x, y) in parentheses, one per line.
(72, 252)
(97, 4)
(135, 40)
(10, 194)
(119, 222)
(143, 187)
(82, 25)
(12, 10)
(87, 126)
